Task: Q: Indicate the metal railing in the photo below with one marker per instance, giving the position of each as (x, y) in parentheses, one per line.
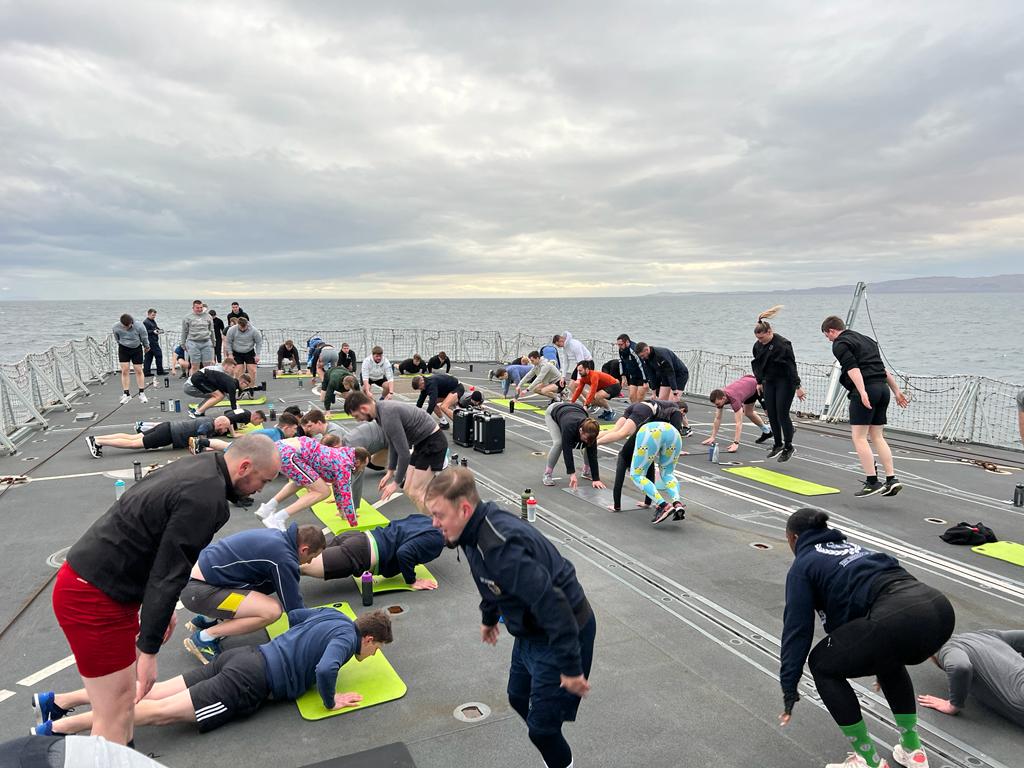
(964, 408)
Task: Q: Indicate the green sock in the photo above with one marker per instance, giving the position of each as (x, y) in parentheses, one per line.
(909, 737)
(862, 744)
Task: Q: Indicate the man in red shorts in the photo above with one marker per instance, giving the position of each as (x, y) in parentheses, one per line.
(138, 556)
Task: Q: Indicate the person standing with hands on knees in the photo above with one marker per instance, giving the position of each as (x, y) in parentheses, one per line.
(525, 580)
(132, 339)
(864, 376)
(774, 367)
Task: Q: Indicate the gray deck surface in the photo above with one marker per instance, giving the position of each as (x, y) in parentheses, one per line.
(689, 614)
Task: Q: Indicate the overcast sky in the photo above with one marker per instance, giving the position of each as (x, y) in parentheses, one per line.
(430, 148)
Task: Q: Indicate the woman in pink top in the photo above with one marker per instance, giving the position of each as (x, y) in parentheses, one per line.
(741, 395)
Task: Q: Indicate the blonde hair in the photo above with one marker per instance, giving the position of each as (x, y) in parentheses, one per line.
(762, 325)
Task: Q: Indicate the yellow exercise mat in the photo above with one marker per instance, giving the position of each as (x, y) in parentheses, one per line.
(1010, 551)
(305, 375)
(785, 482)
(395, 583)
(326, 511)
(373, 678)
(225, 403)
(338, 416)
(519, 406)
(606, 427)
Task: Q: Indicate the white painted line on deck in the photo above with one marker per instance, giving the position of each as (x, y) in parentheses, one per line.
(45, 672)
(5, 694)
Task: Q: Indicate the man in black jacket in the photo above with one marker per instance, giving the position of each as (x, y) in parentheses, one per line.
(441, 393)
(215, 385)
(154, 352)
(139, 555)
(523, 579)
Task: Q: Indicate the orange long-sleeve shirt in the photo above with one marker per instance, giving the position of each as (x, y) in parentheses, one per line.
(597, 380)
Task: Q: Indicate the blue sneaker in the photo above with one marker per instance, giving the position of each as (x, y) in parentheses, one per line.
(46, 708)
(201, 622)
(43, 729)
(204, 651)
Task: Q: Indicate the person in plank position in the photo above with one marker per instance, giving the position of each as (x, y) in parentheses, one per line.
(441, 392)
(285, 427)
(239, 681)
(413, 365)
(176, 434)
(397, 548)
(337, 382)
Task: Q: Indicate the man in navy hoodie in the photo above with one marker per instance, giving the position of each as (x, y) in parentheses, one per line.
(395, 549)
(234, 577)
(318, 644)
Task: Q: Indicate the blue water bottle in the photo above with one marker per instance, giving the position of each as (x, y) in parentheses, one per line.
(119, 487)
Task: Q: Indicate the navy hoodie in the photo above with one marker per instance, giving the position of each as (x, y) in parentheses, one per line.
(317, 645)
(835, 578)
(262, 559)
(404, 544)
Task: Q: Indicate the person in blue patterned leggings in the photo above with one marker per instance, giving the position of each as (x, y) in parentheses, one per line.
(659, 442)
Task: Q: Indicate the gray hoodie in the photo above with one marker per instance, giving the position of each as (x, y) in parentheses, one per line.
(133, 337)
(196, 328)
(245, 341)
(404, 426)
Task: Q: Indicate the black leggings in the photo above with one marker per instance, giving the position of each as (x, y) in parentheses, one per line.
(908, 622)
(778, 398)
(622, 467)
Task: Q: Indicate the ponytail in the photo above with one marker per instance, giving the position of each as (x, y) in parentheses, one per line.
(763, 326)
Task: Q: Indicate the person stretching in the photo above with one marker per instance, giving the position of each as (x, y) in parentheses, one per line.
(603, 388)
(412, 366)
(215, 385)
(397, 548)
(879, 619)
(661, 444)
(571, 352)
(633, 368)
(175, 434)
(510, 375)
(441, 393)
(377, 371)
(232, 582)
(244, 343)
(132, 345)
(774, 368)
(741, 396)
(570, 428)
(544, 379)
(287, 358)
(337, 382)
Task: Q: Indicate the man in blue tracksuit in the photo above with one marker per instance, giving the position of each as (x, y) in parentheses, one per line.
(397, 548)
(318, 644)
(525, 581)
(234, 577)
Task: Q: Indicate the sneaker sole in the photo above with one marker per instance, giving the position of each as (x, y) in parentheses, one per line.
(191, 648)
(785, 456)
(861, 495)
(893, 491)
(659, 519)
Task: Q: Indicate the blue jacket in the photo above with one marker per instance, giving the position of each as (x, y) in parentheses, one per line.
(632, 366)
(404, 544)
(262, 559)
(523, 578)
(834, 578)
(317, 645)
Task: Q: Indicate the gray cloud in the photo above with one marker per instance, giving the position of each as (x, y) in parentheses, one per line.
(612, 148)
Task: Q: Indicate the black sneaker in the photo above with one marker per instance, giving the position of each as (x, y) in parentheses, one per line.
(765, 436)
(870, 489)
(787, 453)
(662, 513)
(775, 451)
(679, 511)
(892, 487)
(687, 431)
(443, 424)
(95, 450)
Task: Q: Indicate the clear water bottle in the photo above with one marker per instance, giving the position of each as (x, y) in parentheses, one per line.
(137, 467)
(119, 487)
(531, 509)
(1018, 495)
(713, 453)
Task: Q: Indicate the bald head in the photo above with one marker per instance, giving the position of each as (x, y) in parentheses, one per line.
(253, 461)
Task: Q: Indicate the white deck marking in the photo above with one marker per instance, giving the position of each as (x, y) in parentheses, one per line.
(5, 694)
(45, 672)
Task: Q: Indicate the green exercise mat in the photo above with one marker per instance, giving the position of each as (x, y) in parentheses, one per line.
(374, 678)
(367, 516)
(395, 583)
(785, 482)
(305, 375)
(338, 416)
(1010, 551)
(225, 403)
(606, 427)
(519, 406)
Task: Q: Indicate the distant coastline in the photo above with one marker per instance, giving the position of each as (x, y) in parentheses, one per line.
(992, 284)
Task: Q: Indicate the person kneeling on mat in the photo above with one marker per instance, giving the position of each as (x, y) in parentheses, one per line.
(570, 428)
(661, 444)
(441, 393)
(741, 396)
(879, 619)
(176, 434)
(231, 584)
(397, 548)
(316, 646)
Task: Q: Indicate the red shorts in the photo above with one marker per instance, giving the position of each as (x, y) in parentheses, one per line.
(100, 631)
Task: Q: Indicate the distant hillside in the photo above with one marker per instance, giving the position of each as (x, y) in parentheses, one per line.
(993, 284)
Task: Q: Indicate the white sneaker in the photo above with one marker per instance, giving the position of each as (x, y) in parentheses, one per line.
(853, 760)
(125, 398)
(548, 480)
(278, 520)
(143, 398)
(915, 759)
(265, 510)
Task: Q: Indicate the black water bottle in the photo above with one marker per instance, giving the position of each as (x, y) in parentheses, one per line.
(137, 466)
(366, 588)
(1018, 495)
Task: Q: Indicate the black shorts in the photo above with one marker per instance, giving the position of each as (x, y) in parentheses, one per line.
(245, 357)
(231, 686)
(377, 382)
(614, 390)
(751, 400)
(459, 392)
(875, 416)
(158, 437)
(210, 600)
(132, 355)
(677, 379)
(430, 452)
(635, 380)
(347, 555)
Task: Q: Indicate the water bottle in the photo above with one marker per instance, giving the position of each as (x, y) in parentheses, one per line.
(271, 412)
(366, 588)
(455, 459)
(523, 499)
(163, 405)
(713, 453)
(1018, 495)
(167, 382)
(137, 466)
(511, 406)
(177, 406)
(464, 462)
(300, 383)
(119, 487)
(156, 383)
(531, 509)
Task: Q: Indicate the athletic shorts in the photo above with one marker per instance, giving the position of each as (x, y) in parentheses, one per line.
(459, 392)
(377, 383)
(347, 555)
(751, 400)
(614, 390)
(199, 351)
(677, 380)
(636, 380)
(245, 357)
(210, 600)
(132, 355)
(875, 416)
(232, 686)
(100, 631)
(159, 436)
(430, 452)
(329, 359)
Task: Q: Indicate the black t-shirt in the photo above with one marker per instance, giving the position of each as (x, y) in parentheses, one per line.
(855, 350)
(347, 360)
(613, 368)
(436, 363)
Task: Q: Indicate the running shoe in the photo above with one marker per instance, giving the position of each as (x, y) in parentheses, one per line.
(43, 729)
(125, 398)
(662, 512)
(548, 480)
(200, 622)
(143, 398)
(775, 451)
(46, 708)
(892, 487)
(205, 651)
(853, 760)
(608, 415)
(678, 511)
(765, 436)
(687, 431)
(444, 423)
(585, 474)
(94, 449)
(490, 375)
(197, 445)
(870, 489)
(787, 453)
(264, 510)
(915, 759)
(138, 427)
(316, 391)
(193, 413)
